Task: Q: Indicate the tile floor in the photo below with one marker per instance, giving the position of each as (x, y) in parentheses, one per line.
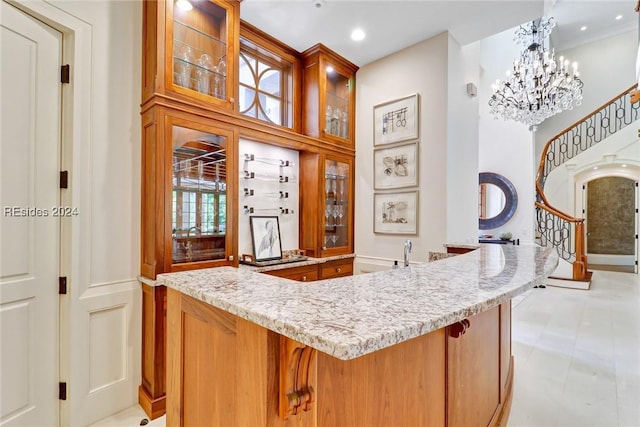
(577, 357)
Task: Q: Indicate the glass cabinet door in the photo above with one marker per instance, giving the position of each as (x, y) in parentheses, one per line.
(337, 216)
(199, 196)
(337, 98)
(200, 46)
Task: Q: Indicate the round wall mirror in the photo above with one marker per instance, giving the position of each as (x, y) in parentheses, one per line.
(497, 200)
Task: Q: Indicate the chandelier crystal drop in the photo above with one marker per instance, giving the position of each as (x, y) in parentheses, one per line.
(537, 86)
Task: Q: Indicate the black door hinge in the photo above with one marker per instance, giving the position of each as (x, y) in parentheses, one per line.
(62, 391)
(64, 179)
(64, 73)
(62, 285)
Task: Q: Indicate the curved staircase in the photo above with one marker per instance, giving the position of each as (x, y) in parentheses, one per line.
(557, 228)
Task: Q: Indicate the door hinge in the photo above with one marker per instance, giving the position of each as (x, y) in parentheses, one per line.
(64, 73)
(64, 179)
(584, 187)
(62, 285)
(62, 391)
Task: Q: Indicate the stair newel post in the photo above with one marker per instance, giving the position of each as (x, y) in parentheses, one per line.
(580, 264)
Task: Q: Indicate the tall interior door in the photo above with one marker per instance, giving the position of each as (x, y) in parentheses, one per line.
(30, 231)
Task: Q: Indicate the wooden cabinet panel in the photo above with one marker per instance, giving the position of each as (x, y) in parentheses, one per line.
(191, 54)
(337, 268)
(329, 96)
(326, 204)
(307, 273)
(473, 370)
(402, 385)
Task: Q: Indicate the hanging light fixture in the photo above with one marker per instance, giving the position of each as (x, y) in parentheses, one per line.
(536, 87)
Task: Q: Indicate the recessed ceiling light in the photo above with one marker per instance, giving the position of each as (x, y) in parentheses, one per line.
(583, 28)
(595, 168)
(619, 17)
(624, 166)
(357, 34)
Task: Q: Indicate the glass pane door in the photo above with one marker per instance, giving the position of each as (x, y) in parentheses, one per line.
(199, 221)
(337, 100)
(200, 48)
(336, 214)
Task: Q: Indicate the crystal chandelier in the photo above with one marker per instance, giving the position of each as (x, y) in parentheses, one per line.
(536, 87)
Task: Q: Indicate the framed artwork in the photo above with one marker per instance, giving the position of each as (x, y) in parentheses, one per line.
(395, 167)
(265, 235)
(396, 121)
(395, 213)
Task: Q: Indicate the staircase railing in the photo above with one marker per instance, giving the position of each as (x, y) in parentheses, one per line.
(565, 232)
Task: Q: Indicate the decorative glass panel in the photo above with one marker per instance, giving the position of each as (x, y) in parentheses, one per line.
(264, 85)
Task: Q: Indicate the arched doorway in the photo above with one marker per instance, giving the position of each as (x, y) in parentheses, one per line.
(611, 223)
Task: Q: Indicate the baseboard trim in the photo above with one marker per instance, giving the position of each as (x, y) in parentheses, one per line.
(154, 408)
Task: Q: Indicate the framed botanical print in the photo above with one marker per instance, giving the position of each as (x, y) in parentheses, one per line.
(395, 213)
(395, 167)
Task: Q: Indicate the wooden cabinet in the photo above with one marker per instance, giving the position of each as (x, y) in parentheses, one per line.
(307, 273)
(479, 358)
(188, 214)
(191, 54)
(461, 375)
(326, 199)
(329, 95)
(323, 270)
(337, 268)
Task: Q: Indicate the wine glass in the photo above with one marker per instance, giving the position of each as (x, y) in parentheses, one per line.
(203, 72)
(327, 186)
(327, 214)
(184, 64)
(221, 77)
(340, 213)
(334, 214)
(334, 239)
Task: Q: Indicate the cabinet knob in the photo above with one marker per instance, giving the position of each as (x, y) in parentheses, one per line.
(304, 278)
(324, 248)
(339, 270)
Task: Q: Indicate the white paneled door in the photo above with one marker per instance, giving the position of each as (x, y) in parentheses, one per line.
(30, 229)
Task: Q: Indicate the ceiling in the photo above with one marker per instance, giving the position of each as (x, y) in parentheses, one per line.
(392, 25)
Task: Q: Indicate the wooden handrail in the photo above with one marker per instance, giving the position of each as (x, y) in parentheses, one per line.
(584, 119)
(559, 214)
(580, 264)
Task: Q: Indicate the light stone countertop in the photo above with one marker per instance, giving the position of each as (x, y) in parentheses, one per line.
(352, 316)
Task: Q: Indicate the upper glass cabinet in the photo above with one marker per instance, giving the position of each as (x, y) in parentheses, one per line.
(337, 98)
(329, 96)
(200, 55)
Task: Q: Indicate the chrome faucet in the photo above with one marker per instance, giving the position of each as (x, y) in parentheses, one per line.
(407, 251)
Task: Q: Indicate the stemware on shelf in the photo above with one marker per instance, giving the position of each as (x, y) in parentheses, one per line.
(203, 73)
(184, 65)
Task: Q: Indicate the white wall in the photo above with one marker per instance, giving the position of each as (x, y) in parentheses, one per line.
(607, 68)
(437, 69)
(506, 148)
(462, 143)
(100, 317)
(420, 68)
(264, 197)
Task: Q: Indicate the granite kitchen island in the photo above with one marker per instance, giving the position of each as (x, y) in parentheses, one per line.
(427, 345)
